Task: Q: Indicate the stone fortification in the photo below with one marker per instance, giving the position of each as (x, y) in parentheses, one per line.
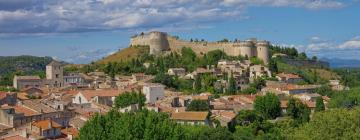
(160, 42)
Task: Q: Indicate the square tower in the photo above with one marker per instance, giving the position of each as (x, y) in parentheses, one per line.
(55, 74)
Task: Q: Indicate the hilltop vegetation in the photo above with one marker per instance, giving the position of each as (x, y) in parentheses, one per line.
(125, 54)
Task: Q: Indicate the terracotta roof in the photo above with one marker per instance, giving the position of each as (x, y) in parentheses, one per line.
(200, 97)
(16, 137)
(89, 94)
(70, 131)
(299, 87)
(190, 116)
(37, 106)
(46, 124)
(28, 88)
(26, 111)
(288, 75)
(28, 77)
(3, 95)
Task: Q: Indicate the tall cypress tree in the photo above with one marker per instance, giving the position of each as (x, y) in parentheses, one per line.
(197, 84)
(319, 104)
(231, 86)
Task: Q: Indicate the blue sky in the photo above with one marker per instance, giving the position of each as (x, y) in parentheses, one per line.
(81, 31)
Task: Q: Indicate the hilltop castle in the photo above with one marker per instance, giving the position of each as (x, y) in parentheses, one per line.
(161, 42)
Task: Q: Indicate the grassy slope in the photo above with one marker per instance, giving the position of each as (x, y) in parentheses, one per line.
(125, 54)
(322, 73)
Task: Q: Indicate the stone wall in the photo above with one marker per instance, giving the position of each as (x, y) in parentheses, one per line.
(160, 42)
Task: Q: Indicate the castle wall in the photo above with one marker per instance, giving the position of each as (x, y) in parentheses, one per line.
(160, 42)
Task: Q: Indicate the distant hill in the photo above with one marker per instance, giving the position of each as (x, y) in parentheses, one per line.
(125, 54)
(25, 64)
(338, 63)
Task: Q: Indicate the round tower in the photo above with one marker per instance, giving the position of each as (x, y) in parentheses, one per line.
(246, 48)
(158, 42)
(262, 49)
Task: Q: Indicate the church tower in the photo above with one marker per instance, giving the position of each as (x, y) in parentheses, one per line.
(55, 74)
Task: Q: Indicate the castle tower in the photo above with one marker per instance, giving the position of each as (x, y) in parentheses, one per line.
(246, 48)
(262, 50)
(54, 74)
(158, 42)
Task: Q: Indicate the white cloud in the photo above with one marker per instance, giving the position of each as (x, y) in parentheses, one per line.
(44, 16)
(351, 44)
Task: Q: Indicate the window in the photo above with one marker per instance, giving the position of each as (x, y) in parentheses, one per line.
(56, 75)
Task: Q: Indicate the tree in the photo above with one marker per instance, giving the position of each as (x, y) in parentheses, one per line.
(231, 90)
(273, 66)
(329, 125)
(129, 98)
(319, 105)
(198, 105)
(268, 106)
(314, 58)
(298, 111)
(302, 56)
(197, 84)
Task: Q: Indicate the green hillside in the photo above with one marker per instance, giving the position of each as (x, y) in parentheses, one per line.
(125, 54)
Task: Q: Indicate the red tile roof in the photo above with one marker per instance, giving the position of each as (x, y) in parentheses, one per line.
(46, 124)
(190, 116)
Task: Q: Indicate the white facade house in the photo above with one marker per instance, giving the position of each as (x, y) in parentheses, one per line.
(153, 92)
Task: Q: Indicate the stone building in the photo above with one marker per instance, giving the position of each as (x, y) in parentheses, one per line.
(77, 80)
(22, 82)
(54, 74)
(153, 92)
(46, 128)
(160, 42)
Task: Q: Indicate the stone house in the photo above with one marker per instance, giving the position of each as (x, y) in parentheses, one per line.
(191, 118)
(78, 80)
(289, 78)
(177, 71)
(55, 74)
(8, 98)
(257, 71)
(105, 97)
(22, 82)
(46, 128)
(153, 92)
(30, 111)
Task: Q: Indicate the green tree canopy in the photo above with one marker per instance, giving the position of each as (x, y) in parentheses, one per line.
(268, 106)
(198, 105)
(129, 98)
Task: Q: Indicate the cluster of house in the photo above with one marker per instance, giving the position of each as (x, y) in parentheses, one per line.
(243, 72)
(59, 105)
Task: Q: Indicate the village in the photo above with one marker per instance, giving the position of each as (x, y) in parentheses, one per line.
(59, 105)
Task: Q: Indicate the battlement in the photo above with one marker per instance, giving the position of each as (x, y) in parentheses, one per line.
(160, 42)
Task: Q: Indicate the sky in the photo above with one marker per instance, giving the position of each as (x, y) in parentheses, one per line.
(82, 31)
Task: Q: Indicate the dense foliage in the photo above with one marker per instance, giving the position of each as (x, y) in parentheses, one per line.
(298, 111)
(146, 125)
(129, 98)
(350, 76)
(268, 106)
(328, 125)
(198, 105)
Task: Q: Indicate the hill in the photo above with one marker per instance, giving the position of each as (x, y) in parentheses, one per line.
(24, 63)
(125, 54)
